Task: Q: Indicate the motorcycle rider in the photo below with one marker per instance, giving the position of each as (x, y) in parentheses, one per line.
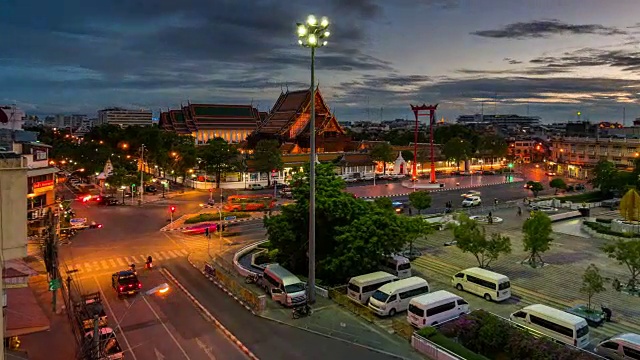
(149, 263)
(133, 269)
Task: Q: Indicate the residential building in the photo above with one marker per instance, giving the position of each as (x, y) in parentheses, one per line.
(505, 120)
(204, 122)
(575, 156)
(124, 117)
(11, 117)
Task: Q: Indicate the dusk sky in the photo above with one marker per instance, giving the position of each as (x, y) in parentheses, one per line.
(552, 57)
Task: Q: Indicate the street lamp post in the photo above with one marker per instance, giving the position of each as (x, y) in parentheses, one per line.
(141, 173)
(312, 34)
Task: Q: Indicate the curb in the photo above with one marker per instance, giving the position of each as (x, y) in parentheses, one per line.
(221, 287)
(440, 190)
(228, 222)
(206, 312)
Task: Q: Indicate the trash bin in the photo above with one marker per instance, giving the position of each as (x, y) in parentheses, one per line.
(584, 212)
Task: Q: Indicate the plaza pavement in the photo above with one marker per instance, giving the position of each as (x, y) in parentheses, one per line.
(557, 283)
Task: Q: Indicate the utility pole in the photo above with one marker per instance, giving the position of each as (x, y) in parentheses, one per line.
(141, 173)
(96, 337)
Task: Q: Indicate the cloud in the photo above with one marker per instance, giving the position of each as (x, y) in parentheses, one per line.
(622, 59)
(546, 28)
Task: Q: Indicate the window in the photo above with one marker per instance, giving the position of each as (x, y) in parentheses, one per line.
(504, 285)
(380, 296)
(404, 266)
(354, 288)
(583, 331)
(481, 282)
(271, 280)
(631, 353)
(373, 287)
(460, 275)
(416, 310)
(520, 314)
(550, 325)
(415, 292)
(462, 302)
(392, 298)
(610, 345)
(441, 308)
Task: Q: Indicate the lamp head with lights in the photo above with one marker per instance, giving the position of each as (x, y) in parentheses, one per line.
(313, 33)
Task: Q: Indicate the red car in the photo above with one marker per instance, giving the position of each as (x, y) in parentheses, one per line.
(200, 229)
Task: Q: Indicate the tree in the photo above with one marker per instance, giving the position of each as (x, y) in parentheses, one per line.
(630, 205)
(383, 152)
(384, 203)
(471, 237)
(535, 187)
(605, 176)
(416, 228)
(558, 183)
(267, 157)
(420, 200)
(626, 252)
(592, 283)
(121, 177)
(457, 150)
(493, 146)
(407, 155)
(217, 157)
(537, 237)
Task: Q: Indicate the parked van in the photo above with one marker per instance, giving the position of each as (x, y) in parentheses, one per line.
(559, 325)
(435, 308)
(619, 347)
(283, 286)
(397, 265)
(395, 296)
(361, 287)
(485, 283)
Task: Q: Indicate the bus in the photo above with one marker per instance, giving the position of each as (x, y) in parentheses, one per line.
(249, 203)
(557, 324)
(361, 287)
(488, 284)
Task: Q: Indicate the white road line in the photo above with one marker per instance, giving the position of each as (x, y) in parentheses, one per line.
(87, 266)
(185, 252)
(95, 265)
(104, 264)
(136, 259)
(120, 262)
(113, 263)
(128, 260)
(172, 254)
(104, 298)
(165, 328)
(159, 256)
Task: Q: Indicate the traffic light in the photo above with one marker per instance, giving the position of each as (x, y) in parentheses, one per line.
(510, 165)
(273, 173)
(172, 209)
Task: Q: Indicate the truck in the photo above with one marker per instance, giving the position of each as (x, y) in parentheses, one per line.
(107, 347)
(88, 308)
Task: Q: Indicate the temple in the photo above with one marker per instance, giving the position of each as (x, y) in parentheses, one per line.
(289, 122)
(207, 121)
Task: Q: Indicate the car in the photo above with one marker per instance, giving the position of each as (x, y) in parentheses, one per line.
(471, 193)
(211, 202)
(488, 172)
(107, 201)
(200, 229)
(150, 189)
(471, 201)
(527, 186)
(398, 206)
(255, 187)
(579, 187)
(125, 283)
(286, 194)
(351, 180)
(551, 173)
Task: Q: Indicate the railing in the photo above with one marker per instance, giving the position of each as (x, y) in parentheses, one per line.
(339, 296)
(431, 349)
(222, 271)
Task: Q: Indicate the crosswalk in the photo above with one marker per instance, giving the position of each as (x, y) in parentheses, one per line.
(123, 262)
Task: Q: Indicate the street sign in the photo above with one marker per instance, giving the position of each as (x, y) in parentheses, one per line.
(54, 284)
(229, 218)
(78, 222)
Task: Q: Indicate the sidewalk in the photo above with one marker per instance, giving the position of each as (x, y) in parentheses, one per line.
(328, 318)
(60, 338)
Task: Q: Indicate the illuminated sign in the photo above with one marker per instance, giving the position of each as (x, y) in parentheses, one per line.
(39, 155)
(42, 186)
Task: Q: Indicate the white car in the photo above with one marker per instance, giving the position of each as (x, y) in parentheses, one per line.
(471, 193)
(255, 187)
(472, 201)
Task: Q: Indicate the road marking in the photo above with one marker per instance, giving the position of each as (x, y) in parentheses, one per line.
(185, 252)
(113, 263)
(120, 262)
(172, 254)
(128, 260)
(87, 266)
(159, 355)
(106, 302)
(104, 264)
(95, 265)
(159, 256)
(205, 348)
(165, 328)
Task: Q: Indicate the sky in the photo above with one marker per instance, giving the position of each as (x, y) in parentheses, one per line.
(548, 58)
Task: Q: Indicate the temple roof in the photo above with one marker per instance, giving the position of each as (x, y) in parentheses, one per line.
(356, 160)
(217, 116)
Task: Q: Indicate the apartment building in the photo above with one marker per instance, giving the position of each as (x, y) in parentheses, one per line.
(124, 117)
(575, 156)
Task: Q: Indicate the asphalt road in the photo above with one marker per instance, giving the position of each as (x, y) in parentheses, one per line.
(267, 339)
(160, 326)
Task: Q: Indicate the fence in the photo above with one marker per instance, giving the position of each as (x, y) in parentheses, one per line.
(431, 350)
(222, 271)
(339, 295)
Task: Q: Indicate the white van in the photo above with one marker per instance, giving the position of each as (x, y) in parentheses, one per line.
(559, 325)
(620, 347)
(397, 265)
(361, 287)
(283, 286)
(435, 308)
(395, 296)
(482, 282)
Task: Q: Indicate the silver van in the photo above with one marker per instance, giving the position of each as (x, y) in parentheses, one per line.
(619, 347)
(284, 287)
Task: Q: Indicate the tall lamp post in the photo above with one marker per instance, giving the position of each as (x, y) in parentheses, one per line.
(312, 34)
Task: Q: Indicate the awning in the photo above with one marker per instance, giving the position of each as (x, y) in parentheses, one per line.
(23, 314)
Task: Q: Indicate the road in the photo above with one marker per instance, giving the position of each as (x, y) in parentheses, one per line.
(265, 338)
(159, 326)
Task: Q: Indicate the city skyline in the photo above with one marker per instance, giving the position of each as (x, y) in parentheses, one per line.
(549, 61)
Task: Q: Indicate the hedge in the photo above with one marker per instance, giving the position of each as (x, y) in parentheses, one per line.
(592, 196)
(604, 221)
(214, 217)
(438, 338)
(604, 229)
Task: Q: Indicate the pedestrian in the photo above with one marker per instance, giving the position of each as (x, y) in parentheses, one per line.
(519, 211)
(616, 284)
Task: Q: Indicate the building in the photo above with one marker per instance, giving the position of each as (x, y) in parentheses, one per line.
(289, 122)
(575, 156)
(208, 121)
(124, 117)
(11, 118)
(507, 120)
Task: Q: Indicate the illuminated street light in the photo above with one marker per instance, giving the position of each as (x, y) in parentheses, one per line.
(312, 35)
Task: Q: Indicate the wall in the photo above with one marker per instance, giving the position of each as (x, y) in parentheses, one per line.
(13, 217)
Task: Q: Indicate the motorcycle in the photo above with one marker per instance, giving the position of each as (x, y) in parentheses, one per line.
(301, 311)
(252, 278)
(132, 268)
(149, 264)
(607, 313)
